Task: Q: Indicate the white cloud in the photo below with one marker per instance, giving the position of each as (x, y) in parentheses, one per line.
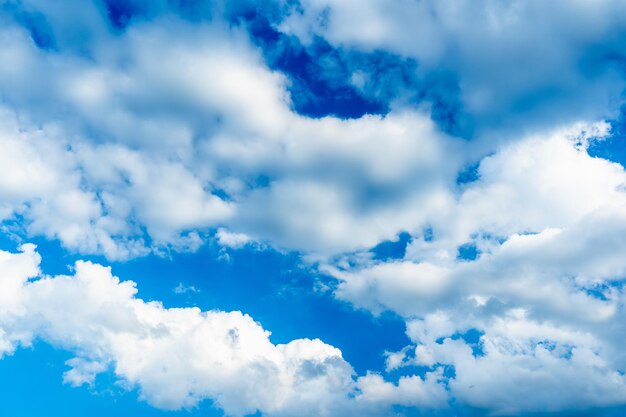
(518, 64)
(529, 367)
(232, 240)
(548, 221)
(153, 128)
(370, 288)
(184, 289)
(144, 151)
(410, 391)
(177, 357)
(155, 139)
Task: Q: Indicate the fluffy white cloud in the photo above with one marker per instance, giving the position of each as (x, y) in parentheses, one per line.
(177, 357)
(232, 240)
(155, 138)
(410, 391)
(122, 144)
(164, 138)
(547, 221)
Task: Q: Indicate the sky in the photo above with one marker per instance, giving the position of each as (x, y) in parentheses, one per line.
(312, 208)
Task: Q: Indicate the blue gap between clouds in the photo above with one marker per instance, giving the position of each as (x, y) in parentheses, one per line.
(467, 252)
(392, 249)
(34, 22)
(468, 175)
(322, 79)
(121, 12)
(320, 84)
(613, 147)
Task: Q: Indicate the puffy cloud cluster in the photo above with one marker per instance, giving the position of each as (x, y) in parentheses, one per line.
(543, 296)
(154, 154)
(178, 357)
(119, 142)
(156, 139)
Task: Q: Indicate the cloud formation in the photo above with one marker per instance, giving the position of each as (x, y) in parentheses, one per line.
(225, 156)
(132, 127)
(516, 63)
(543, 295)
(178, 357)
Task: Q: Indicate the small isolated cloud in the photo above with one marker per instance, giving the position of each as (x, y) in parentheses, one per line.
(232, 240)
(185, 289)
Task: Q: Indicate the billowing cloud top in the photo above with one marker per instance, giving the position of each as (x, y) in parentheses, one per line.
(481, 141)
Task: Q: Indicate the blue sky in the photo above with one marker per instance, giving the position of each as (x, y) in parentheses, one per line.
(312, 208)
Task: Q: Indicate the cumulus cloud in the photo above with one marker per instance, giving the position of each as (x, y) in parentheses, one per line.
(162, 153)
(178, 357)
(151, 154)
(232, 240)
(120, 139)
(543, 294)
